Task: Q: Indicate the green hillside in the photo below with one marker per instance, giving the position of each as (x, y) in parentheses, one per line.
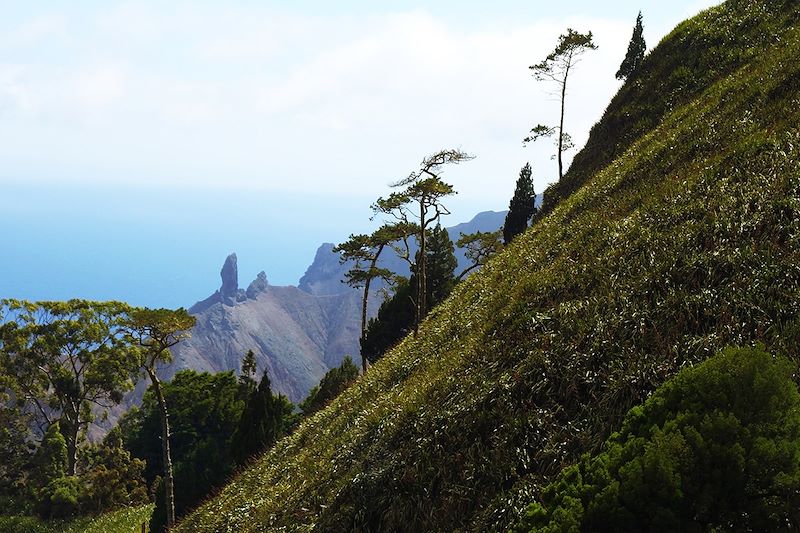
(125, 520)
(682, 236)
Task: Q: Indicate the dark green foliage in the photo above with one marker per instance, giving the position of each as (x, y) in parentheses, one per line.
(54, 493)
(110, 478)
(204, 413)
(262, 422)
(522, 206)
(635, 54)
(335, 381)
(395, 317)
(15, 458)
(715, 448)
(441, 265)
(479, 247)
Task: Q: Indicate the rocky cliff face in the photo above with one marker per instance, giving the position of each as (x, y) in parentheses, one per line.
(297, 333)
(297, 336)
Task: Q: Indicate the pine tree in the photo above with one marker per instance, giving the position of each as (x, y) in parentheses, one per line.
(636, 50)
(521, 207)
(261, 424)
(556, 68)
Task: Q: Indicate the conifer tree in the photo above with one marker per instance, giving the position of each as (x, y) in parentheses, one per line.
(247, 378)
(364, 252)
(441, 264)
(521, 207)
(262, 422)
(636, 50)
(479, 247)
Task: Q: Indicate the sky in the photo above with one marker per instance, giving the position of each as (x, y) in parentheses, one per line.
(142, 142)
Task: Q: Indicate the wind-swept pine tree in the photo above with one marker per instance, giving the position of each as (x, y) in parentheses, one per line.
(521, 207)
(636, 50)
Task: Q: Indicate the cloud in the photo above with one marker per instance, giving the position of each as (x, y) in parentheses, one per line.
(276, 101)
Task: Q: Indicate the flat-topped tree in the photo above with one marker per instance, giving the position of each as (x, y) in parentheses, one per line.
(556, 68)
(364, 251)
(416, 207)
(155, 331)
(64, 362)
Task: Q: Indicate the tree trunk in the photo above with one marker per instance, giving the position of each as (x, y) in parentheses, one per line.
(72, 441)
(364, 320)
(561, 124)
(169, 491)
(422, 288)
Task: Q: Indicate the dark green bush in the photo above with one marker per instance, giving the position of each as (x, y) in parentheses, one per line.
(718, 446)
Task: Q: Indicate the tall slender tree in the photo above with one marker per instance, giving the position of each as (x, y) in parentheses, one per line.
(155, 331)
(556, 67)
(636, 50)
(416, 207)
(364, 251)
(521, 207)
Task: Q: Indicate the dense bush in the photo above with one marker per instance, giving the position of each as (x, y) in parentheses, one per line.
(332, 384)
(717, 447)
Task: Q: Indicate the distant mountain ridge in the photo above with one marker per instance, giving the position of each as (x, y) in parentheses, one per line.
(326, 273)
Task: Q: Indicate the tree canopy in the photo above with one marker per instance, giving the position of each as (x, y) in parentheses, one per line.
(65, 361)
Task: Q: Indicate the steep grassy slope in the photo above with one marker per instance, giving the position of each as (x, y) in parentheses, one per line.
(696, 54)
(686, 242)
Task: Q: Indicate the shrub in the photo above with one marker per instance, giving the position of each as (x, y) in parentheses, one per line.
(716, 447)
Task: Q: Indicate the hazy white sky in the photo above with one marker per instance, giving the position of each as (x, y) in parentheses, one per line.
(151, 138)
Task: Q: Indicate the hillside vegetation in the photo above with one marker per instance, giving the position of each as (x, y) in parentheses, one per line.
(682, 236)
(126, 520)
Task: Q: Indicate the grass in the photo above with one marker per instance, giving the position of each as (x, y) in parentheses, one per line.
(127, 520)
(686, 241)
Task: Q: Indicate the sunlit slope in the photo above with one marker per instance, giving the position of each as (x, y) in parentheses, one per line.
(687, 242)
